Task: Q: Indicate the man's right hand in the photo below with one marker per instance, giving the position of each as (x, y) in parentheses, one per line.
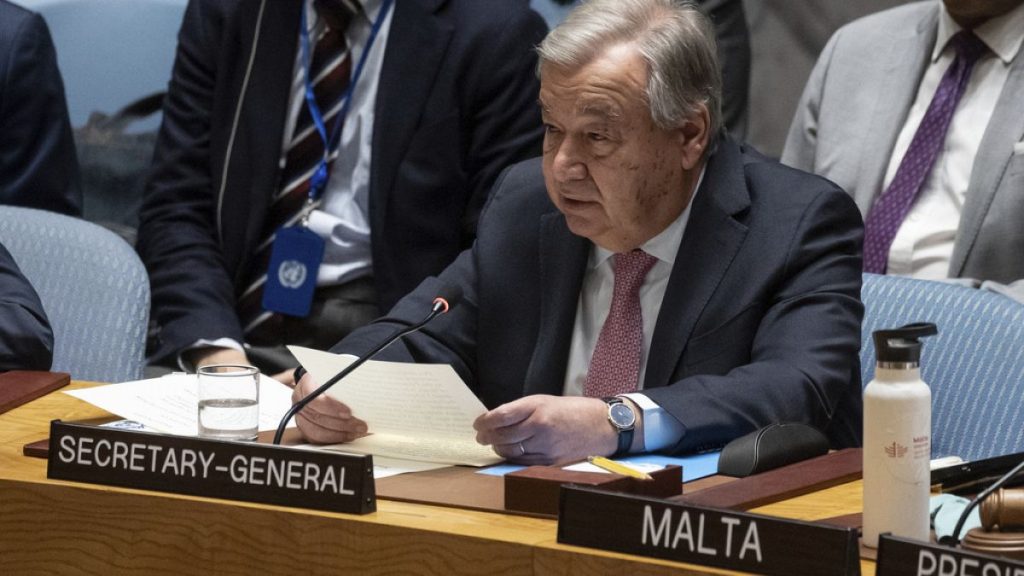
(325, 420)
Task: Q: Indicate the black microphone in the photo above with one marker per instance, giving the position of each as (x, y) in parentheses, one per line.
(447, 297)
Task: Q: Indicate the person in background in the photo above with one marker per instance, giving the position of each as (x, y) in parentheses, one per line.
(918, 113)
(649, 284)
(26, 341)
(38, 166)
(357, 138)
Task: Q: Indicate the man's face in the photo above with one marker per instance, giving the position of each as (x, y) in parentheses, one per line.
(617, 177)
(971, 13)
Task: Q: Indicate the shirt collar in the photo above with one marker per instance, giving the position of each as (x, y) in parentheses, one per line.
(368, 14)
(665, 245)
(1003, 35)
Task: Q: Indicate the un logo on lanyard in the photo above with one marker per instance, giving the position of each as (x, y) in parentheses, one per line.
(291, 274)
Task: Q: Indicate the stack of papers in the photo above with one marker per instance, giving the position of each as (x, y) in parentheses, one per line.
(416, 412)
(170, 404)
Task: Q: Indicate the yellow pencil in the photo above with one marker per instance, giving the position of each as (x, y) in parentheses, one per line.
(617, 468)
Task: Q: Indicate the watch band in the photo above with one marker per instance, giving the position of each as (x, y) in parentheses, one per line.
(625, 441)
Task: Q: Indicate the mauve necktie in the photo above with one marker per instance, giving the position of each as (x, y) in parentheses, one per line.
(330, 70)
(615, 365)
(887, 213)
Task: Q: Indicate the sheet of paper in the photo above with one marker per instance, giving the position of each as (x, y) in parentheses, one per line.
(448, 451)
(382, 467)
(414, 411)
(169, 404)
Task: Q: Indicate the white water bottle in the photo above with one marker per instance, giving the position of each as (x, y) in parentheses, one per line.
(897, 438)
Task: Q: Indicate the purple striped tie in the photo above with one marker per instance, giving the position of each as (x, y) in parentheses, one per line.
(615, 364)
(889, 210)
(330, 71)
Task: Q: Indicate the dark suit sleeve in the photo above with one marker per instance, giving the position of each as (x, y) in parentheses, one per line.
(803, 361)
(192, 292)
(38, 166)
(449, 339)
(26, 341)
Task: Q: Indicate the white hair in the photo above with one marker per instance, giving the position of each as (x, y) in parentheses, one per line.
(673, 36)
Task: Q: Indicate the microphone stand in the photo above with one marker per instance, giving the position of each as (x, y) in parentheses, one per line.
(440, 307)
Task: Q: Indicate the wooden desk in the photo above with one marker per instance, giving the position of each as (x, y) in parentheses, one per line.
(55, 527)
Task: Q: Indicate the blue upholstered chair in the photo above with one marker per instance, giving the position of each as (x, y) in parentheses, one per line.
(93, 287)
(975, 365)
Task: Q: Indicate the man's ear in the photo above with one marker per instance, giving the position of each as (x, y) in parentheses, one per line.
(694, 136)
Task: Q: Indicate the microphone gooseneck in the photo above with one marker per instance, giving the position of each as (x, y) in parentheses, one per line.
(447, 297)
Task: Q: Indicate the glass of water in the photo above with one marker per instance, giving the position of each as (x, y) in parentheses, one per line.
(229, 397)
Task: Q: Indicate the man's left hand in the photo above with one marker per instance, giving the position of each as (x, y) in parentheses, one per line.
(548, 429)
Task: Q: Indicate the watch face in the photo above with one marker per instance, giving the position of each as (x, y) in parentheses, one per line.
(621, 416)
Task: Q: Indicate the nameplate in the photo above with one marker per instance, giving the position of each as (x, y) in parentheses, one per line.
(705, 536)
(245, 471)
(900, 556)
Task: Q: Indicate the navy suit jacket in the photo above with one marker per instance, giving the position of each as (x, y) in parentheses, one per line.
(760, 322)
(456, 104)
(38, 166)
(26, 341)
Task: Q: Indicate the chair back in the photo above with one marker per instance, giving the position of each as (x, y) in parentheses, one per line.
(975, 365)
(93, 287)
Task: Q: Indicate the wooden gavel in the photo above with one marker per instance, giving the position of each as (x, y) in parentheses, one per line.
(1003, 509)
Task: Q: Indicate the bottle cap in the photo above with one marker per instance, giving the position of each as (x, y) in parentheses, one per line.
(902, 344)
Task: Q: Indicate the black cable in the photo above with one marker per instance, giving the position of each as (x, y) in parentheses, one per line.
(954, 539)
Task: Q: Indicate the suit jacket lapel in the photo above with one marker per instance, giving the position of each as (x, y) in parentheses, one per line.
(416, 28)
(1004, 130)
(563, 261)
(256, 150)
(706, 252)
(901, 75)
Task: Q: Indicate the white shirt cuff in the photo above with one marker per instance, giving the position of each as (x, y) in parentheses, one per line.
(202, 343)
(661, 429)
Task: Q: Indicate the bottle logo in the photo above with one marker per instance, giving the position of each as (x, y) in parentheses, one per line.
(896, 450)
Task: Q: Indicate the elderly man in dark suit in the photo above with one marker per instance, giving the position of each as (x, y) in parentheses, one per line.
(650, 284)
(371, 130)
(38, 166)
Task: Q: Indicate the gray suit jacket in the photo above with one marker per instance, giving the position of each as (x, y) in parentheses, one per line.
(855, 104)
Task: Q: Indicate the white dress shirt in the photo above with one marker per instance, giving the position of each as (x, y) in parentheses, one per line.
(660, 428)
(923, 246)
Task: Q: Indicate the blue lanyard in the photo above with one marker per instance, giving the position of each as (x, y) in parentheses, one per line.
(319, 180)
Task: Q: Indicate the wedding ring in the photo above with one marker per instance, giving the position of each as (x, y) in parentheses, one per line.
(522, 449)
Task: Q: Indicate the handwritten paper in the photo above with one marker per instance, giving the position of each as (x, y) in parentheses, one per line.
(421, 412)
